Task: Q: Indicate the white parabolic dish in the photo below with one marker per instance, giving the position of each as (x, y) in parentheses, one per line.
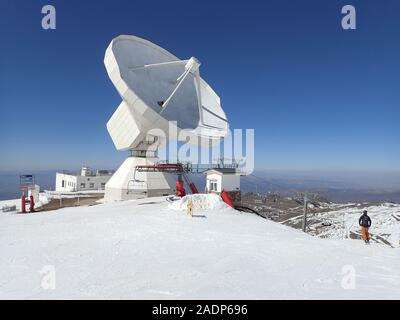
(157, 87)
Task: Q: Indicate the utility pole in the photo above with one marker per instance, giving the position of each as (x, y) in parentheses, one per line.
(305, 213)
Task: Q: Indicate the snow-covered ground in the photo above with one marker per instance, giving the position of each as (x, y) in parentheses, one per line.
(149, 249)
(46, 196)
(339, 221)
(385, 222)
(43, 199)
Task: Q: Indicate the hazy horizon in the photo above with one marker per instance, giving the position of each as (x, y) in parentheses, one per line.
(383, 180)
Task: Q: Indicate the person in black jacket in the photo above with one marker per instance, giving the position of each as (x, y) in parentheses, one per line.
(365, 223)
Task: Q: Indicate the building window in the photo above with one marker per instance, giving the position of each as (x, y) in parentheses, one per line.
(91, 185)
(103, 185)
(83, 185)
(213, 185)
(62, 183)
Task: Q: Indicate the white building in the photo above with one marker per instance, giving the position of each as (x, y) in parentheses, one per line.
(224, 179)
(85, 181)
(220, 179)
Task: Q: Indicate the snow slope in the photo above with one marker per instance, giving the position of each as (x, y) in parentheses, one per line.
(144, 249)
(385, 222)
(339, 221)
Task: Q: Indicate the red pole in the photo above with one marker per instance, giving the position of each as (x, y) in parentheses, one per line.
(23, 203)
(31, 204)
(227, 199)
(193, 188)
(180, 190)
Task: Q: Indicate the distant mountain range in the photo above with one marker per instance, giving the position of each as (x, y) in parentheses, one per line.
(335, 188)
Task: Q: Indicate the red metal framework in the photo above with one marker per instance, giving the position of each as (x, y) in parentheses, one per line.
(177, 168)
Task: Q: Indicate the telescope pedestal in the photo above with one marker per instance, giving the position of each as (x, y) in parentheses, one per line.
(127, 183)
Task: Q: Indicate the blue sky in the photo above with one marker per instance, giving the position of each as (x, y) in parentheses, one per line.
(318, 97)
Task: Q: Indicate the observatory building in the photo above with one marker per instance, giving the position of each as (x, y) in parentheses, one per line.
(85, 181)
(160, 94)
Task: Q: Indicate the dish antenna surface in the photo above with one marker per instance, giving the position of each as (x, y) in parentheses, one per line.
(160, 94)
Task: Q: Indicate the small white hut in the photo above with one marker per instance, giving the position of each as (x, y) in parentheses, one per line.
(222, 179)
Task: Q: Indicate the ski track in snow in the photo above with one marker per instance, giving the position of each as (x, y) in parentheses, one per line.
(142, 250)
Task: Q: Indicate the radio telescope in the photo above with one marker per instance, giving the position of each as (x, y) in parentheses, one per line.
(158, 90)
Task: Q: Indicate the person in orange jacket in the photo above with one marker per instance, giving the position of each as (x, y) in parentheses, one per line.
(365, 223)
